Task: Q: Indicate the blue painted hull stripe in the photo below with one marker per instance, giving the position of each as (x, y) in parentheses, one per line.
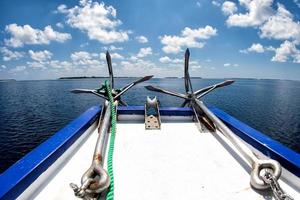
(19, 176)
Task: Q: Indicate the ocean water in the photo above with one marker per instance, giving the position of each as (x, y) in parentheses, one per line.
(32, 111)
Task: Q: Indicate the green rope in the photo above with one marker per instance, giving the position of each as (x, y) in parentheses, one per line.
(110, 194)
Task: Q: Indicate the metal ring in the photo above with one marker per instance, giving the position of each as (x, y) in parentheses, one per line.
(256, 180)
(100, 179)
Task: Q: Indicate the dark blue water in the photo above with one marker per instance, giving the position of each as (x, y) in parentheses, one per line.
(32, 111)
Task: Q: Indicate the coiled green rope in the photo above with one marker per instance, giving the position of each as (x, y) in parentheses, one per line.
(110, 194)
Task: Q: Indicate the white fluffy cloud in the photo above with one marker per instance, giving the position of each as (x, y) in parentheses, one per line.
(216, 3)
(256, 47)
(286, 51)
(21, 35)
(112, 55)
(59, 25)
(97, 20)
(166, 59)
(258, 11)
(81, 61)
(56, 64)
(188, 38)
(112, 48)
(297, 2)
(80, 55)
(278, 24)
(40, 56)
(17, 69)
(144, 52)
(8, 55)
(85, 58)
(281, 26)
(141, 39)
(231, 65)
(142, 67)
(273, 24)
(229, 8)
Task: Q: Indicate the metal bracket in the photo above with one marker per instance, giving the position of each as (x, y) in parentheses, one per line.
(152, 116)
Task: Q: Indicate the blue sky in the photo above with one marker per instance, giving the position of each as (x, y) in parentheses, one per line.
(245, 38)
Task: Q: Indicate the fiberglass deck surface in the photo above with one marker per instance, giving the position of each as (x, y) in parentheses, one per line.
(175, 163)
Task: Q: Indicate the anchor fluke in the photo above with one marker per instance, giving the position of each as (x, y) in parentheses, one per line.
(130, 85)
(157, 89)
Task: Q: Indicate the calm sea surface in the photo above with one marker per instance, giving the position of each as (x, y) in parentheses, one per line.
(32, 111)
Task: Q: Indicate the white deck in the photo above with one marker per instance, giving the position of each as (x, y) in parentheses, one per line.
(176, 162)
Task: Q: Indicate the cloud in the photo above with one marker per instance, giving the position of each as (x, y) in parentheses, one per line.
(142, 67)
(188, 38)
(21, 35)
(80, 55)
(141, 39)
(40, 56)
(59, 25)
(272, 23)
(2, 68)
(198, 4)
(258, 11)
(85, 58)
(229, 8)
(286, 51)
(56, 64)
(297, 2)
(97, 20)
(231, 65)
(17, 69)
(144, 52)
(9, 55)
(113, 56)
(216, 3)
(36, 65)
(255, 47)
(41, 59)
(281, 26)
(166, 59)
(81, 61)
(112, 48)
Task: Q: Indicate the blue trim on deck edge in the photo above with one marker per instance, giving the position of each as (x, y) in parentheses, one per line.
(20, 175)
(164, 111)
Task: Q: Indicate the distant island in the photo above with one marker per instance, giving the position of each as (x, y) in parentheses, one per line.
(91, 77)
(196, 77)
(171, 77)
(81, 77)
(7, 80)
